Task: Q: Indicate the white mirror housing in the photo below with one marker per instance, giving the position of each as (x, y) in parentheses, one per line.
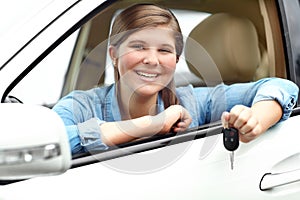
(33, 142)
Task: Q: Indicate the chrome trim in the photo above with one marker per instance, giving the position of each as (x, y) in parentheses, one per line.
(29, 154)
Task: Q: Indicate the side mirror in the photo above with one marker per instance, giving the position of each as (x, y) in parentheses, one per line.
(33, 142)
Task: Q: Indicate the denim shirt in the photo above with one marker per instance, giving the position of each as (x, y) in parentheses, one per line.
(83, 111)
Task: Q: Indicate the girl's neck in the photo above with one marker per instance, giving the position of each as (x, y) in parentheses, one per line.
(134, 106)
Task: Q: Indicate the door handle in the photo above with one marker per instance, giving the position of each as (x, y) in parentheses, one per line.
(270, 181)
(285, 172)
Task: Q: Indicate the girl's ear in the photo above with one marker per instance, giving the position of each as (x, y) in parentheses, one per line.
(177, 58)
(112, 52)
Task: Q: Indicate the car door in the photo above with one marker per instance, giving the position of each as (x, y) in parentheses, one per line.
(191, 165)
(177, 171)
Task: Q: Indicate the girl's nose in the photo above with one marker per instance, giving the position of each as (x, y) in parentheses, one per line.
(151, 58)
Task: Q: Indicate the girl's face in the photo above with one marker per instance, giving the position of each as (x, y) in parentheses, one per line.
(146, 60)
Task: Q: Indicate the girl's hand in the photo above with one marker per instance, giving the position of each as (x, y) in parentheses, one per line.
(244, 119)
(175, 118)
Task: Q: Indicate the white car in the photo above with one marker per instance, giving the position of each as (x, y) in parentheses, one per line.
(61, 46)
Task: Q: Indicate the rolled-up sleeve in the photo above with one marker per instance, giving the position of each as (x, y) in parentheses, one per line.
(283, 91)
(225, 97)
(90, 135)
(86, 136)
(78, 113)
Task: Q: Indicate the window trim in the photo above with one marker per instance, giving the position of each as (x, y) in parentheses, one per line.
(292, 52)
(147, 144)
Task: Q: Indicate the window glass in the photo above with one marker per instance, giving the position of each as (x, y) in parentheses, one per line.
(44, 83)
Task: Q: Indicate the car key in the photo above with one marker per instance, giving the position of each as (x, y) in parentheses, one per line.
(231, 141)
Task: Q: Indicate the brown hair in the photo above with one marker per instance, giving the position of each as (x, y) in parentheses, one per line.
(140, 16)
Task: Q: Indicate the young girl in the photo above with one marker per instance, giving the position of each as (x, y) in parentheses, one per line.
(145, 45)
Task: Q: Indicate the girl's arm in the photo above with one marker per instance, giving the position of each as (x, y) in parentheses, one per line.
(174, 117)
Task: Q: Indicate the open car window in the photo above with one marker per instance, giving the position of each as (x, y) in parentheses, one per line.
(80, 62)
(75, 64)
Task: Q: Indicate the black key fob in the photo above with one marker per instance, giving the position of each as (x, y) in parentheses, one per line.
(230, 138)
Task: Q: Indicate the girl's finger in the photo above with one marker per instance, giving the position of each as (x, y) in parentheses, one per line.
(243, 118)
(235, 112)
(249, 126)
(225, 119)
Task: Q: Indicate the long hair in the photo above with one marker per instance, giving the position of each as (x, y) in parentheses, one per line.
(140, 16)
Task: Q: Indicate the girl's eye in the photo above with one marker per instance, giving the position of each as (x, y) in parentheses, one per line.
(138, 46)
(166, 50)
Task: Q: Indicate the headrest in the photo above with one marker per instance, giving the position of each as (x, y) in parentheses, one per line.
(231, 42)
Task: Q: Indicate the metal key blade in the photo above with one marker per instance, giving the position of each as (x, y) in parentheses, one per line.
(231, 159)
(231, 142)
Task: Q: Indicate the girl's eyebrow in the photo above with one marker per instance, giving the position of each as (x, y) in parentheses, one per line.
(137, 41)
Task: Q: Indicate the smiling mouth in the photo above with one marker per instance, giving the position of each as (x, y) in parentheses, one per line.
(147, 75)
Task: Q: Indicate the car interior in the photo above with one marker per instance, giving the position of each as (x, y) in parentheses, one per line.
(236, 41)
(239, 39)
(232, 41)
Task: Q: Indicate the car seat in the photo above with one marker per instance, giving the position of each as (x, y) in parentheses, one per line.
(232, 44)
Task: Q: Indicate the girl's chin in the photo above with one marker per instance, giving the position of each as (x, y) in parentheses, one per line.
(148, 90)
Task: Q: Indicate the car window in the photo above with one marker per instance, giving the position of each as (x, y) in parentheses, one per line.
(80, 62)
(71, 69)
(224, 60)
